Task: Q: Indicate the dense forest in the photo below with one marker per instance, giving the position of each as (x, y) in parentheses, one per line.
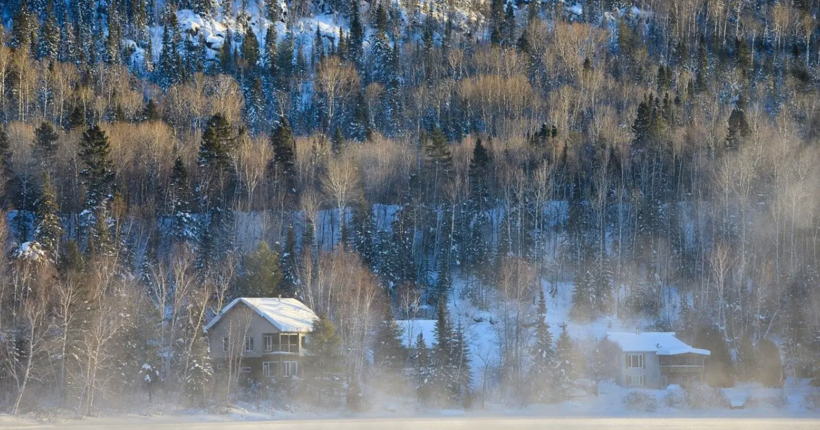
(380, 159)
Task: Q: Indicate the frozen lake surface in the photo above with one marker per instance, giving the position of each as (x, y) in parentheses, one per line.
(444, 423)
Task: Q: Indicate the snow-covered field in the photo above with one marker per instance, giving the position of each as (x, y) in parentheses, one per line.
(472, 423)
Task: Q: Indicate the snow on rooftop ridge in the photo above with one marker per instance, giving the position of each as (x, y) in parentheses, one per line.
(661, 343)
(287, 315)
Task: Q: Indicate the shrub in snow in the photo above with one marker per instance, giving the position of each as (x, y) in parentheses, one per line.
(704, 397)
(675, 396)
(640, 402)
(812, 401)
(778, 401)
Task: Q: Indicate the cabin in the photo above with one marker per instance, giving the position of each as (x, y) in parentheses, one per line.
(651, 359)
(262, 338)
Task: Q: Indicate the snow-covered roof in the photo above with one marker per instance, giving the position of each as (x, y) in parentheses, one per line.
(287, 315)
(661, 343)
(412, 328)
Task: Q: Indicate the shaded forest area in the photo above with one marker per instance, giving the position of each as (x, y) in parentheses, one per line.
(661, 157)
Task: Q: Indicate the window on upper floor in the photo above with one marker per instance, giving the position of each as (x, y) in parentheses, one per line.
(248, 343)
(635, 361)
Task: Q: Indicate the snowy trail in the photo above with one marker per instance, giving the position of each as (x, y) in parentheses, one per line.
(448, 423)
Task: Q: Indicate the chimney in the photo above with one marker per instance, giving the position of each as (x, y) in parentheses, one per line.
(637, 330)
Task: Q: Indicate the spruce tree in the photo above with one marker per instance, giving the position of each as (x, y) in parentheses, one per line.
(719, 368)
(388, 351)
(463, 373)
(324, 360)
(542, 372)
(250, 50)
(6, 173)
(284, 154)
(150, 112)
(179, 203)
(271, 52)
(199, 373)
(262, 276)
(45, 145)
(443, 357)
(98, 174)
(423, 374)
(287, 262)
(564, 367)
(769, 365)
(49, 230)
(49, 40)
(356, 40)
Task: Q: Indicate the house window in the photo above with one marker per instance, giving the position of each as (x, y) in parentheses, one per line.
(270, 368)
(248, 343)
(635, 361)
(290, 368)
(245, 370)
(224, 344)
(268, 342)
(635, 380)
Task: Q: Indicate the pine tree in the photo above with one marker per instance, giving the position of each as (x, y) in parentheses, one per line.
(49, 40)
(6, 173)
(49, 230)
(217, 143)
(179, 203)
(45, 145)
(284, 154)
(463, 373)
(262, 275)
(226, 54)
(356, 38)
(565, 357)
(284, 63)
(769, 366)
(388, 351)
(583, 296)
(738, 128)
(271, 53)
(199, 373)
(287, 262)
(719, 368)
(250, 50)
(509, 25)
(746, 359)
(150, 112)
(23, 28)
(443, 357)
(497, 22)
(324, 360)
(542, 372)
(423, 374)
(98, 174)
(169, 58)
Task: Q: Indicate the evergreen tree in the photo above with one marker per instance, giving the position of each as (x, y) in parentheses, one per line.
(443, 358)
(199, 373)
(542, 376)
(262, 275)
(24, 25)
(6, 173)
(738, 126)
(461, 361)
(509, 25)
(423, 375)
(565, 357)
(356, 40)
(497, 21)
(150, 112)
(719, 368)
(284, 154)
(271, 52)
(324, 360)
(250, 50)
(218, 141)
(169, 69)
(45, 145)
(746, 359)
(98, 174)
(49, 230)
(287, 262)
(770, 367)
(49, 40)
(388, 351)
(583, 296)
(226, 54)
(284, 63)
(179, 203)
